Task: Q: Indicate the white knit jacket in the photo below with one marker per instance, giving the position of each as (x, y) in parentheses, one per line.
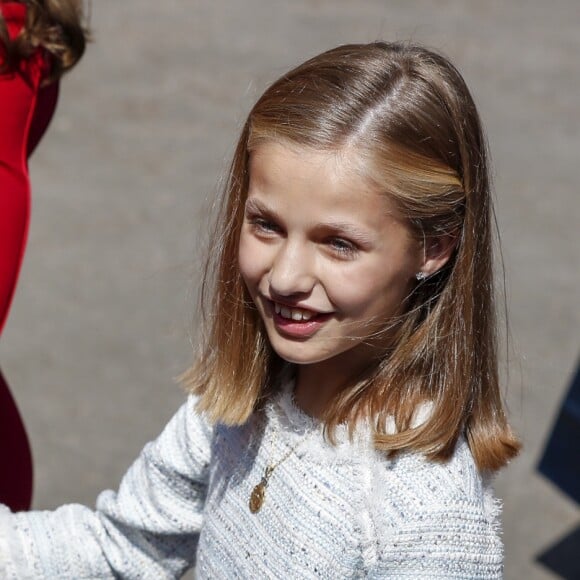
(335, 512)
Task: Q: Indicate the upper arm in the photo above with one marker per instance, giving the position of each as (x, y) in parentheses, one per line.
(435, 520)
(455, 541)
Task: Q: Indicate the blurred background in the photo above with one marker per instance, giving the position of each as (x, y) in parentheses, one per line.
(124, 179)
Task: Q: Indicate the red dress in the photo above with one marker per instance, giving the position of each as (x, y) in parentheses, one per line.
(25, 111)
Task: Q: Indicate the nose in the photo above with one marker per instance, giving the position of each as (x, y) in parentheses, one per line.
(292, 270)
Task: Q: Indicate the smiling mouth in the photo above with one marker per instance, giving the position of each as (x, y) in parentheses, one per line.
(295, 314)
(297, 323)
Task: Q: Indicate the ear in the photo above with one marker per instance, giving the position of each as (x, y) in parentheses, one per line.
(437, 252)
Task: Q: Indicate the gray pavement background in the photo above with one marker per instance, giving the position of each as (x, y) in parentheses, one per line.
(123, 181)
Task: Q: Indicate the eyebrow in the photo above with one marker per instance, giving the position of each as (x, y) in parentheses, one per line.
(346, 229)
(254, 205)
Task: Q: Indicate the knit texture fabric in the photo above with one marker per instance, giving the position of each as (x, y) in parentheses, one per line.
(341, 511)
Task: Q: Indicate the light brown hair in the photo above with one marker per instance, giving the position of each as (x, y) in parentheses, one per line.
(406, 112)
(56, 26)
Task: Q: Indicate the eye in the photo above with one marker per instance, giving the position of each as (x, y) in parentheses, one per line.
(342, 247)
(262, 225)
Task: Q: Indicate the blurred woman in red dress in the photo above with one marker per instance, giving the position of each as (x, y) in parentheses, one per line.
(39, 41)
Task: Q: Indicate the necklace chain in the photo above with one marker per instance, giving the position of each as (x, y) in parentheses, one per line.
(258, 495)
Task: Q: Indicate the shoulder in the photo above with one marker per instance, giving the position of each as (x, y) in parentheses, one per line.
(36, 64)
(14, 16)
(417, 484)
(184, 444)
(434, 520)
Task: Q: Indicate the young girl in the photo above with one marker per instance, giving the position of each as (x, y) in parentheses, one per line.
(345, 415)
(39, 41)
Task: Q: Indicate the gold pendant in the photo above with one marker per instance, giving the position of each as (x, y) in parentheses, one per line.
(258, 494)
(257, 497)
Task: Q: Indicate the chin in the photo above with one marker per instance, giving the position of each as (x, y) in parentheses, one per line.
(296, 358)
(300, 353)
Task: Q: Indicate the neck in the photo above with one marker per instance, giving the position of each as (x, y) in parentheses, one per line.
(318, 384)
(312, 395)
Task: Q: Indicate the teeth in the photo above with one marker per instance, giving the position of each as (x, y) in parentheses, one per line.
(296, 314)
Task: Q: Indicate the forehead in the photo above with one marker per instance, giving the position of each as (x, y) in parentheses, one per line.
(273, 155)
(291, 171)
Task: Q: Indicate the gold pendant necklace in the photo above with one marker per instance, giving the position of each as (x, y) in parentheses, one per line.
(258, 495)
(259, 492)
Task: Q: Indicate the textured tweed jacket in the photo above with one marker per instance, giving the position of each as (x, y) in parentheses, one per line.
(335, 512)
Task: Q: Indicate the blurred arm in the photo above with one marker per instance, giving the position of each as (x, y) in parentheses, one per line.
(149, 529)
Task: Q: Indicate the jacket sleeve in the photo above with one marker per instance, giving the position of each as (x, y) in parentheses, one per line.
(149, 529)
(453, 542)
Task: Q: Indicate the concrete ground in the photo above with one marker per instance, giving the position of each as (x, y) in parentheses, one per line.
(122, 184)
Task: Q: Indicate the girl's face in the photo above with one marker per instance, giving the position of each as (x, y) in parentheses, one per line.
(323, 257)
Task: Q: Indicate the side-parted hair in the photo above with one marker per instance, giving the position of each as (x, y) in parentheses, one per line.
(55, 25)
(406, 112)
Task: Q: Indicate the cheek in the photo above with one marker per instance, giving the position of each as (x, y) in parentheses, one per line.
(250, 260)
(244, 262)
(369, 289)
